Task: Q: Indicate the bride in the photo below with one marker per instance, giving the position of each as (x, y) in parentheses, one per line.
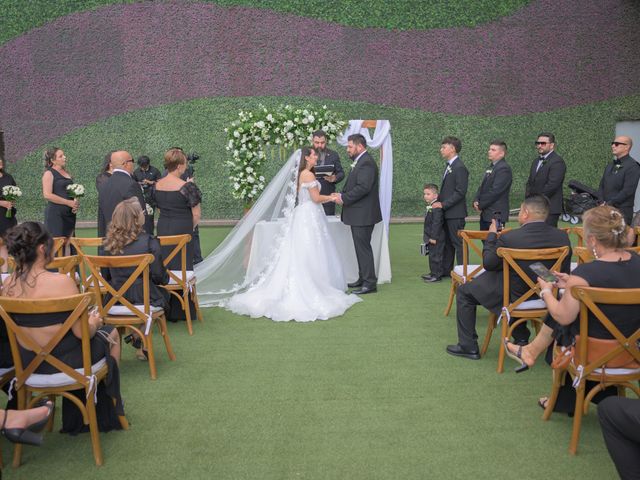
(300, 278)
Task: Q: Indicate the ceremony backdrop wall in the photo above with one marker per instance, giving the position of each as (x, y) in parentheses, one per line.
(95, 75)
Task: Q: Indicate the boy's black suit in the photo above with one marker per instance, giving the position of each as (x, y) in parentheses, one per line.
(434, 230)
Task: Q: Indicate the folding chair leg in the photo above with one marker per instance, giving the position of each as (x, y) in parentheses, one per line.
(577, 419)
(491, 325)
(93, 430)
(152, 357)
(162, 323)
(558, 378)
(504, 331)
(194, 299)
(452, 294)
(187, 311)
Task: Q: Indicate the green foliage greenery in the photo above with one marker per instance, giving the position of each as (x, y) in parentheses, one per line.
(19, 16)
(583, 135)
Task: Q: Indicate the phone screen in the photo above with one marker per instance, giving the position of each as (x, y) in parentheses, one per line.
(543, 272)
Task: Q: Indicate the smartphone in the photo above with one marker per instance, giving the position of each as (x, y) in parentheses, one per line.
(497, 216)
(543, 272)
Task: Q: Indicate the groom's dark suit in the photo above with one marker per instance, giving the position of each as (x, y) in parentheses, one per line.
(361, 210)
(486, 289)
(117, 188)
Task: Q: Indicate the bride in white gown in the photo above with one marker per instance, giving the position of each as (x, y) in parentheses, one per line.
(303, 279)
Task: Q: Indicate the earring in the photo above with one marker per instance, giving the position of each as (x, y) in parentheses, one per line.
(595, 254)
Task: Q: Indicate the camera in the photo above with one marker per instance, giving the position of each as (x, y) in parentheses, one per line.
(192, 158)
(497, 217)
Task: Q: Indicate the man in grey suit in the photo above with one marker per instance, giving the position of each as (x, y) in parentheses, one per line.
(547, 176)
(492, 197)
(361, 210)
(327, 157)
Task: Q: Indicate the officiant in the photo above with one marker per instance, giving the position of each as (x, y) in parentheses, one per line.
(328, 169)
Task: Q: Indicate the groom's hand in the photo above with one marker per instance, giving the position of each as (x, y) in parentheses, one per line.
(337, 198)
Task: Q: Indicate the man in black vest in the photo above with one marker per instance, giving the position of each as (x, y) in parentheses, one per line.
(117, 188)
(453, 201)
(486, 288)
(492, 197)
(361, 210)
(547, 176)
(327, 157)
(620, 179)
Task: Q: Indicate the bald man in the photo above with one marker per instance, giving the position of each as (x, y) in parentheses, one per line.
(117, 188)
(620, 178)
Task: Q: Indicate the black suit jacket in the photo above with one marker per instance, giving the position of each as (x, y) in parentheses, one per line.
(493, 193)
(548, 181)
(117, 188)
(453, 193)
(619, 189)
(487, 287)
(331, 158)
(360, 200)
(433, 226)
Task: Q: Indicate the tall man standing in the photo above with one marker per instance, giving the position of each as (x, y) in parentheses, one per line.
(327, 157)
(547, 176)
(620, 179)
(453, 201)
(361, 210)
(117, 188)
(492, 197)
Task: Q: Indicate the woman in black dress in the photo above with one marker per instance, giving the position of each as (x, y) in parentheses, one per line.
(60, 213)
(126, 236)
(5, 223)
(31, 246)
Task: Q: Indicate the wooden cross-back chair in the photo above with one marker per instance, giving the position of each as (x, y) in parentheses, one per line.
(524, 307)
(637, 231)
(59, 244)
(31, 386)
(120, 312)
(64, 265)
(182, 283)
(83, 245)
(585, 255)
(617, 364)
(6, 375)
(579, 234)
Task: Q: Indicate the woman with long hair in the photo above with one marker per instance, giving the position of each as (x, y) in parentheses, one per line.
(31, 245)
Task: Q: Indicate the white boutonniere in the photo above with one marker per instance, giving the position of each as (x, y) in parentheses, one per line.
(616, 168)
(148, 208)
(448, 170)
(353, 164)
(429, 208)
(488, 171)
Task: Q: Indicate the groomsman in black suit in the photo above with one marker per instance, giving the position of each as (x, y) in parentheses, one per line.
(453, 201)
(117, 188)
(327, 157)
(492, 197)
(547, 176)
(486, 288)
(620, 179)
(361, 210)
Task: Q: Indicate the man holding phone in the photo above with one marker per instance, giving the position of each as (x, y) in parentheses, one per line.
(486, 289)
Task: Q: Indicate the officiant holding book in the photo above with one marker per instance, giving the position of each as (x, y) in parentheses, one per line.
(328, 170)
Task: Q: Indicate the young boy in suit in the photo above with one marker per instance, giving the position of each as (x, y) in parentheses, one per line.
(433, 234)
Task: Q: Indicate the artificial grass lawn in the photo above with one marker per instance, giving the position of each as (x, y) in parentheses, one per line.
(371, 394)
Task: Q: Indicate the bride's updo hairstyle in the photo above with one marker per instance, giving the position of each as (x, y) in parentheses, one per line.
(126, 224)
(607, 226)
(173, 158)
(22, 244)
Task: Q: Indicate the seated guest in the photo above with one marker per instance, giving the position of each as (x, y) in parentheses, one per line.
(31, 246)
(620, 422)
(126, 236)
(605, 234)
(486, 289)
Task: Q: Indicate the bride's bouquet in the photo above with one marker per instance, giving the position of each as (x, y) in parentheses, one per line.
(11, 193)
(75, 190)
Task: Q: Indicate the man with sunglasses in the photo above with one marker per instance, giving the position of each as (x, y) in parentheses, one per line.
(620, 179)
(547, 176)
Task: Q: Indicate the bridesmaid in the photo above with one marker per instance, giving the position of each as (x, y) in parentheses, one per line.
(5, 223)
(60, 213)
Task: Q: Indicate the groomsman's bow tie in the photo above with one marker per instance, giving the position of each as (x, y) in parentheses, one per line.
(541, 159)
(617, 161)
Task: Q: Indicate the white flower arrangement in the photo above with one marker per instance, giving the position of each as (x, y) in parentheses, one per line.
(11, 193)
(285, 128)
(75, 190)
(148, 208)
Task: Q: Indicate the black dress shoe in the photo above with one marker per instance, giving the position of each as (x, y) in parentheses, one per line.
(426, 276)
(458, 351)
(432, 279)
(364, 290)
(355, 284)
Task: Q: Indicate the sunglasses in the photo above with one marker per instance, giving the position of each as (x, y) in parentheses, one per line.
(617, 144)
(541, 143)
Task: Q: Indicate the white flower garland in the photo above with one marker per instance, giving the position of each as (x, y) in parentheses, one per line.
(284, 127)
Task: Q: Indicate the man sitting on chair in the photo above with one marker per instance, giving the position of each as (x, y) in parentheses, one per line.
(486, 289)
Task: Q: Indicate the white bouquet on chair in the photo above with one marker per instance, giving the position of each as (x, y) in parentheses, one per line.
(11, 193)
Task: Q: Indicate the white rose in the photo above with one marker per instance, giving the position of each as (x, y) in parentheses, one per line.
(236, 134)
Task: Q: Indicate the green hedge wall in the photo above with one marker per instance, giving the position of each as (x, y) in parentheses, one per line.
(583, 136)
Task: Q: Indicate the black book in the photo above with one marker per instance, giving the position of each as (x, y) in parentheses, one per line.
(324, 170)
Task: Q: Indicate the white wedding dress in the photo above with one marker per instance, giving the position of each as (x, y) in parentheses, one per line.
(305, 281)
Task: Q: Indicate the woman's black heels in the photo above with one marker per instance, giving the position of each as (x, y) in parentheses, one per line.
(517, 357)
(29, 435)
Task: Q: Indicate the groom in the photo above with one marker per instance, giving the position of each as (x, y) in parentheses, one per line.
(361, 210)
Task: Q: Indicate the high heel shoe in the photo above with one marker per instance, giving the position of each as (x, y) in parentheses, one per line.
(517, 357)
(28, 435)
(39, 426)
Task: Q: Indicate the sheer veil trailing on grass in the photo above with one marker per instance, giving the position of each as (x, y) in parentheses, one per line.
(227, 271)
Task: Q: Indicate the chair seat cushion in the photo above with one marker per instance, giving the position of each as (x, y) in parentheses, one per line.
(122, 310)
(617, 371)
(41, 380)
(4, 371)
(532, 305)
(459, 270)
(178, 273)
(573, 266)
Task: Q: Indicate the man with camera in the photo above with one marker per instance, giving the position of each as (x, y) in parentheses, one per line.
(492, 197)
(146, 175)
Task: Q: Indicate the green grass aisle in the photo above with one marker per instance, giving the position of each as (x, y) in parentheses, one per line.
(371, 394)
